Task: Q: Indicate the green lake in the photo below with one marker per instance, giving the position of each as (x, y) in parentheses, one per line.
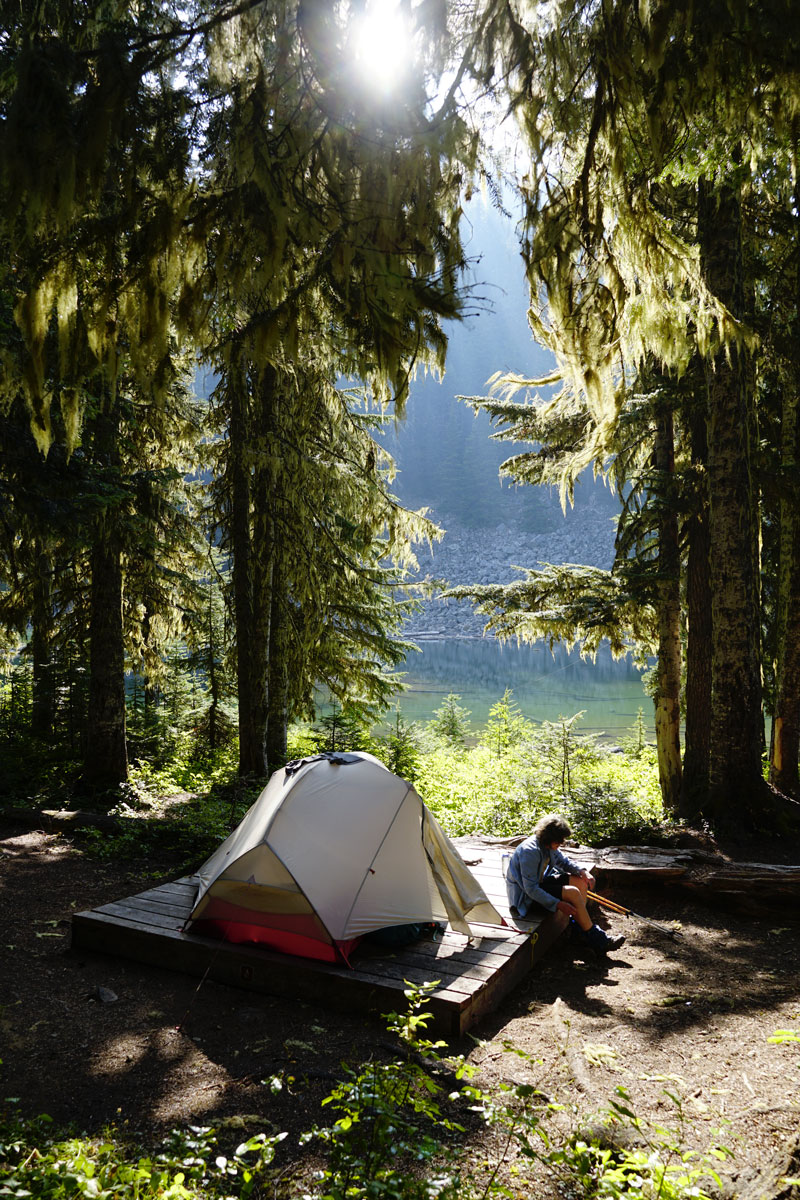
(546, 685)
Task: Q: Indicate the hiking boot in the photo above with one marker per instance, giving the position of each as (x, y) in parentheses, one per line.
(599, 940)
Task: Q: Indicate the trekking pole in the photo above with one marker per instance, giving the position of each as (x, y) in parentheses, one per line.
(628, 912)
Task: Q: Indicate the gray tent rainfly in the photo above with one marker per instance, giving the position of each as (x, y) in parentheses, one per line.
(335, 847)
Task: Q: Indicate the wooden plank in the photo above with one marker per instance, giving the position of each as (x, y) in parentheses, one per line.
(455, 1004)
(494, 956)
(548, 933)
(183, 890)
(473, 974)
(157, 904)
(256, 969)
(145, 915)
(455, 975)
(103, 930)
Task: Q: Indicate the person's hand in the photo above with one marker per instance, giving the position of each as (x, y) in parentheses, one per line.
(564, 906)
(589, 878)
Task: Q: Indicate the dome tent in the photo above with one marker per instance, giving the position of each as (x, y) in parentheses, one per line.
(335, 847)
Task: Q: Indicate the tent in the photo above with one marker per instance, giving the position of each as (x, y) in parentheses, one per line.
(336, 846)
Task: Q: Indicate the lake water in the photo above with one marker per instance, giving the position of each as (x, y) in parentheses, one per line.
(546, 686)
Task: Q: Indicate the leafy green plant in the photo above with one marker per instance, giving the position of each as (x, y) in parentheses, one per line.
(399, 750)
(562, 746)
(389, 1121)
(659, 1167)
(389, 1136)
(450, 721)
(636, 743)
(506, 726)
(607, 1163)
(394, 1137)
(36, 1162)
(343, 728)
(180, 830)
(472, 791)
(602, 791)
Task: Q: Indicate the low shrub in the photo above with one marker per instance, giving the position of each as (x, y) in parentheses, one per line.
(400, 1132)
(39, 1163)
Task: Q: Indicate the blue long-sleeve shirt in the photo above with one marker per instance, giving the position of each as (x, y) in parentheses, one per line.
(526, 867)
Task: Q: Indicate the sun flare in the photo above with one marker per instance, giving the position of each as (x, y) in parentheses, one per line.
(382, 45)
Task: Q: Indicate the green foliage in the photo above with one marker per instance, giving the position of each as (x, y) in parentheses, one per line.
(576, 605)
(37, 774)
(301, 741)
(35, 1161)
(636, 743)
(183, 771)
(663, 1167)
(506, 727)
(396, 1135)
(172, 827)
(450, 721)
(389, 1122)
(343, 728)
(500, 785)
(602, 791)
(399, 1133)
(558, 742)
(15, 698)
(400, 748)
(471, 792)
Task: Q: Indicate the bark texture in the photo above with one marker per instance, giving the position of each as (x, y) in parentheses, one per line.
(736, 737)
(252, 752)
(106, 754)
(106, 757)
(668, 687)
(254, 484)
(786, 721)
(697, 735)
(43, 709)
(278, 720)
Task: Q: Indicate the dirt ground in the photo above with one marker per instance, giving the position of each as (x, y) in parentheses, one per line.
(95, 1040)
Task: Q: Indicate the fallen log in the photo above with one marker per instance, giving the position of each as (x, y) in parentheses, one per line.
(752, 888)
(747, 887)
(61, 819)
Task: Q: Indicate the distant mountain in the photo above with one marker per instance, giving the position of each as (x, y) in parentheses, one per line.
(446, 459)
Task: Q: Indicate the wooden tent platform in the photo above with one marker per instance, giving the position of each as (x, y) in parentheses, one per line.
(472, 978)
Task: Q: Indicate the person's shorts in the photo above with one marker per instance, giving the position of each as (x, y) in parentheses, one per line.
(554, 883)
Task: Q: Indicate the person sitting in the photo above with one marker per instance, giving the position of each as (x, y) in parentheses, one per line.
(540, 874)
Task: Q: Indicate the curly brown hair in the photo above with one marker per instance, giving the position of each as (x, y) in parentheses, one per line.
(550, 829)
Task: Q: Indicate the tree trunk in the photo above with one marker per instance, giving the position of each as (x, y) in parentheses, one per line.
(213, 676)
(668, 685)
(106, 754)
(266, 575)
(43, 709)
(252, 751)
(735, 782)
(786, 721)
(278, 723)
(255, 471)
(106, 758)
(697, 736)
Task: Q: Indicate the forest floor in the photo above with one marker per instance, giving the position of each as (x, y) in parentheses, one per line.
(98, 1041)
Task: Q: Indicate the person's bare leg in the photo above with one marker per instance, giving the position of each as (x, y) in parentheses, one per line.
(575, 895)
(575, 905)
(580, 883)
